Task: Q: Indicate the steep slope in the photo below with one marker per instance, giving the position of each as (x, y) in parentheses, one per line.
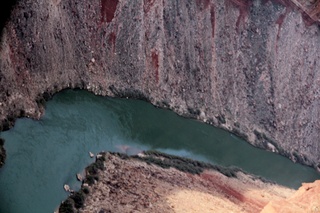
(247, 66)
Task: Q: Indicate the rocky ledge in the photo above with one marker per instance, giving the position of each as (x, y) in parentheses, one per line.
(306, 199)
(157, 182)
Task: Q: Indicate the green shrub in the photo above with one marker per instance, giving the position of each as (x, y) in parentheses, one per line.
(86, 190)
(66, 206)
(96, 166)
(89, 180)
(78, 199)
(92, 169)
(184, 164)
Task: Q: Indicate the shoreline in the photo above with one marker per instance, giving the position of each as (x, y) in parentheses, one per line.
(158, 182)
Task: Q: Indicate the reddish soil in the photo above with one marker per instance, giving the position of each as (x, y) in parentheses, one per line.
(108, 8)
(307, 20)
(244, 7)
(147, 4)
(233, 194)
(112, 40)
(155, 64)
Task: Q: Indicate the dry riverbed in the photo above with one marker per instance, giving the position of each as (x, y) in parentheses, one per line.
(156, 182)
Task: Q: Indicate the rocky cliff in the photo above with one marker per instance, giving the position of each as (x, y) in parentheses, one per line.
(247, 66)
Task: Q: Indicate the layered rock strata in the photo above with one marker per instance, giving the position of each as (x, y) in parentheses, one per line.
(250, 67)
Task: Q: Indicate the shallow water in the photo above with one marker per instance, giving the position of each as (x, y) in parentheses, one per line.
(44, 155)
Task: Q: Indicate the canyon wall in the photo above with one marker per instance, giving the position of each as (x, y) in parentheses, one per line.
(246, 66)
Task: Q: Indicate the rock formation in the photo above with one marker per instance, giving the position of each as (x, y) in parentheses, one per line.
(66, 188)
(247, 66)
(306, 199)
(79, 177)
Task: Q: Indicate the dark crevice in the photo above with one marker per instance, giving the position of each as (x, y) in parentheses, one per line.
(5, 12)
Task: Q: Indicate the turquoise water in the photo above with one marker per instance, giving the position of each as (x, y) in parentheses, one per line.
(44, 155)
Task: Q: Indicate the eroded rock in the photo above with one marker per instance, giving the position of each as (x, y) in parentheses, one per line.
(306, 199)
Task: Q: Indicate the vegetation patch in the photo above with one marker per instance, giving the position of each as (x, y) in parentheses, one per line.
(184, 164)
(77, 199)
(8, 123)
(191, 166)
(194, 112)
(86, 190)
(44, 97)
(3, 154)
(67, 206)
(93, 169)
(123, 156)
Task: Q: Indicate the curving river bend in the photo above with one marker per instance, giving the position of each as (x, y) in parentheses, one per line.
(44, 155)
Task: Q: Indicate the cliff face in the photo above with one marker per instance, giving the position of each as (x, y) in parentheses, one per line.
(247, 66)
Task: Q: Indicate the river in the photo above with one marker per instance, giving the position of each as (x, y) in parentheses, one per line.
(44, 155)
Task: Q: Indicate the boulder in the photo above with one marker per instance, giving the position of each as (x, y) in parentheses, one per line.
(79, 177)
(66, 188)
(91, 154)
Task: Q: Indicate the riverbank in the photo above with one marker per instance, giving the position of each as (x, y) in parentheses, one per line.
(157, 182)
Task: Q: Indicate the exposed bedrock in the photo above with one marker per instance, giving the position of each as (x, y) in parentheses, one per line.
(251, 67)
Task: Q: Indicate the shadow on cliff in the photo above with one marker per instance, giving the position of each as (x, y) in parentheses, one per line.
(5, 12)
